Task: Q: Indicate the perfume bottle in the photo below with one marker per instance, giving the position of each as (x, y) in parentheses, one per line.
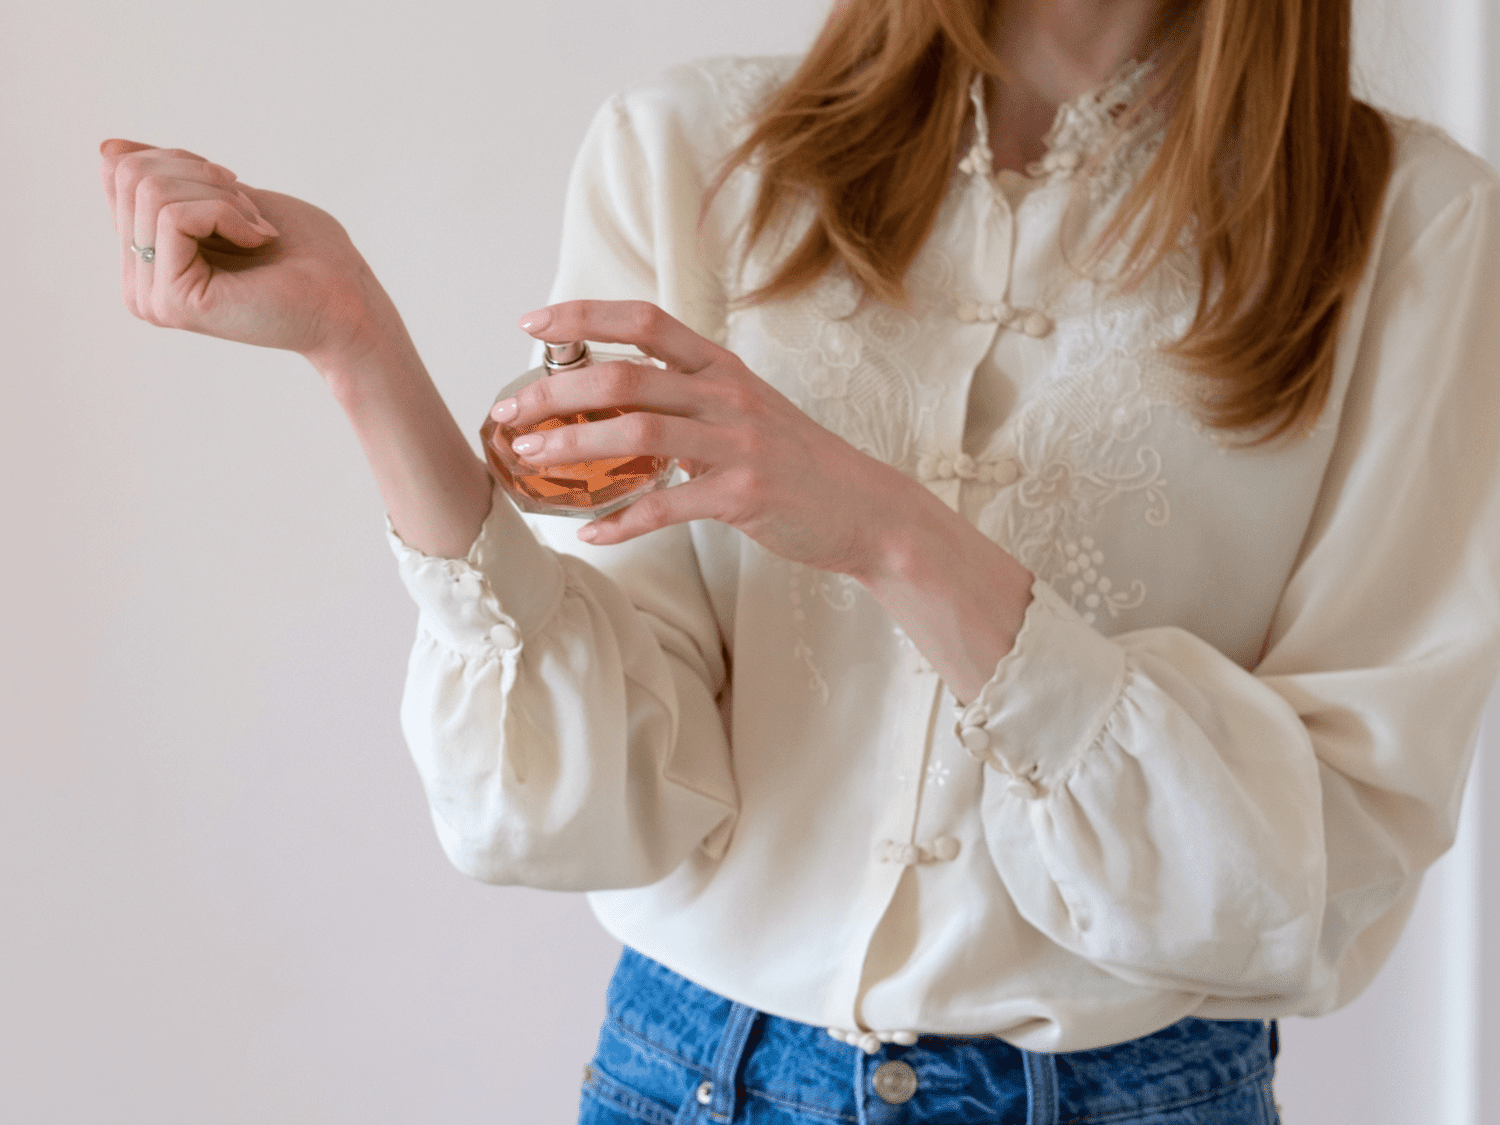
(585, 488)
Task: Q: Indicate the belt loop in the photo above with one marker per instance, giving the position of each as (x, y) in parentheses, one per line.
(1275, 1038)
(725, 1100)
(861, 1087)
(1041, 1088)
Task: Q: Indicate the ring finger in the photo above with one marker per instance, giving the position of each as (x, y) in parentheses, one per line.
(154, 194)
(144, 182)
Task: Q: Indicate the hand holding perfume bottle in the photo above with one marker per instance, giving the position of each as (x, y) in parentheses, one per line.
(757, 463)
(752, 458)
(586, 489)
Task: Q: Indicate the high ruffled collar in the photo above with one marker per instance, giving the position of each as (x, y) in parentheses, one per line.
(1081, 129)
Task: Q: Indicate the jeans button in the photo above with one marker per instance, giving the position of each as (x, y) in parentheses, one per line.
(895, 1082)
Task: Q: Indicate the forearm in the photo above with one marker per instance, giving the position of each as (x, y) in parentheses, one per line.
(436, 491)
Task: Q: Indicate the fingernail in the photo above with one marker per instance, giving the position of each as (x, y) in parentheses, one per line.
(505, 410)
(267, 227)
(527, 444)
(588, 533)
(536, 321)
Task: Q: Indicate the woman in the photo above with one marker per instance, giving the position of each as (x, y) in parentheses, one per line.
(1065, 654)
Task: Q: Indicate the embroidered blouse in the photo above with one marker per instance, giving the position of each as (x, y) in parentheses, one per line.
(1233, 731)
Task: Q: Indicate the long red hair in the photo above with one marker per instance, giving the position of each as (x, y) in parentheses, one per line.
(1269, 167)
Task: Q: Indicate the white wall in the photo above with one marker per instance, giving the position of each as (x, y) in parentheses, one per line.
(220, 899)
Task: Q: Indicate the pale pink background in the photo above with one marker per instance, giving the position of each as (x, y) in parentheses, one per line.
(220, 897)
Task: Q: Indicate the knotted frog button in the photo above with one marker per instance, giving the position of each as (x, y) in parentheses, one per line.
(945, 849)
(903, 854)
(976, 740)
(1004, 472)
(1036, 325)
(503, 636)
(895, 1082)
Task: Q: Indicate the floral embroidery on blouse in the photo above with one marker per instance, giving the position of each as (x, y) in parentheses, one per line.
(1080, 440)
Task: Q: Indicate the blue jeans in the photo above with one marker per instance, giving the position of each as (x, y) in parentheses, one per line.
(671, 1053)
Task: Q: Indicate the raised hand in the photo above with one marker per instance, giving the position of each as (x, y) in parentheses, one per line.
(232, 261)
(203, 252)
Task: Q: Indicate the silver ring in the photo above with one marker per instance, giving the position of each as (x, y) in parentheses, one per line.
(147, 253)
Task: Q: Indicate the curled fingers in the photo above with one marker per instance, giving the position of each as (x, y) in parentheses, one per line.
(144, 184)
(175, 284)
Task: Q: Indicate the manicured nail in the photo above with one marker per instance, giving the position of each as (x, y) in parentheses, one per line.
(588, 533)
(262, 224)
(527, 444)
(505, 410)
(536, 321)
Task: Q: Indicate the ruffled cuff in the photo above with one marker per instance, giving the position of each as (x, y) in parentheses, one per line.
(502, 590)
(1049, 698)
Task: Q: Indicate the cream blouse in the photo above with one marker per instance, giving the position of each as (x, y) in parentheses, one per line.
(1236, 724)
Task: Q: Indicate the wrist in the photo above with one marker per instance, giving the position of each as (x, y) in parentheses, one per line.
(365, 339)
(959, 596)
(436, 491)
(911, 534)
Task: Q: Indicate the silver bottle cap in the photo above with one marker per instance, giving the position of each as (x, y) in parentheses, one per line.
(570, 353)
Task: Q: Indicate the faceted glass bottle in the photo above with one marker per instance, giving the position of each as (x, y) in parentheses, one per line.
(585, 489)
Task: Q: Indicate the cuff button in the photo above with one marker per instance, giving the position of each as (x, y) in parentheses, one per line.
(976, 740)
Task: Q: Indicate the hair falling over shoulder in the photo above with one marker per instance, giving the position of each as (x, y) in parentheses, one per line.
(1269, 166)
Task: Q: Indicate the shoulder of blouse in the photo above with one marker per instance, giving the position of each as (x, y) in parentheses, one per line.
(1430, 172)
(706, 106)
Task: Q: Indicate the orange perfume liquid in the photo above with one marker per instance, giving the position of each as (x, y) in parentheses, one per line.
(584, 488)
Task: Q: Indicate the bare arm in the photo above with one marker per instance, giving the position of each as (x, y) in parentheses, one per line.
(436, 492)
(267, 269)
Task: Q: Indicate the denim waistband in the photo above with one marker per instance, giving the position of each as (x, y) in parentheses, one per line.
(728, 1055)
